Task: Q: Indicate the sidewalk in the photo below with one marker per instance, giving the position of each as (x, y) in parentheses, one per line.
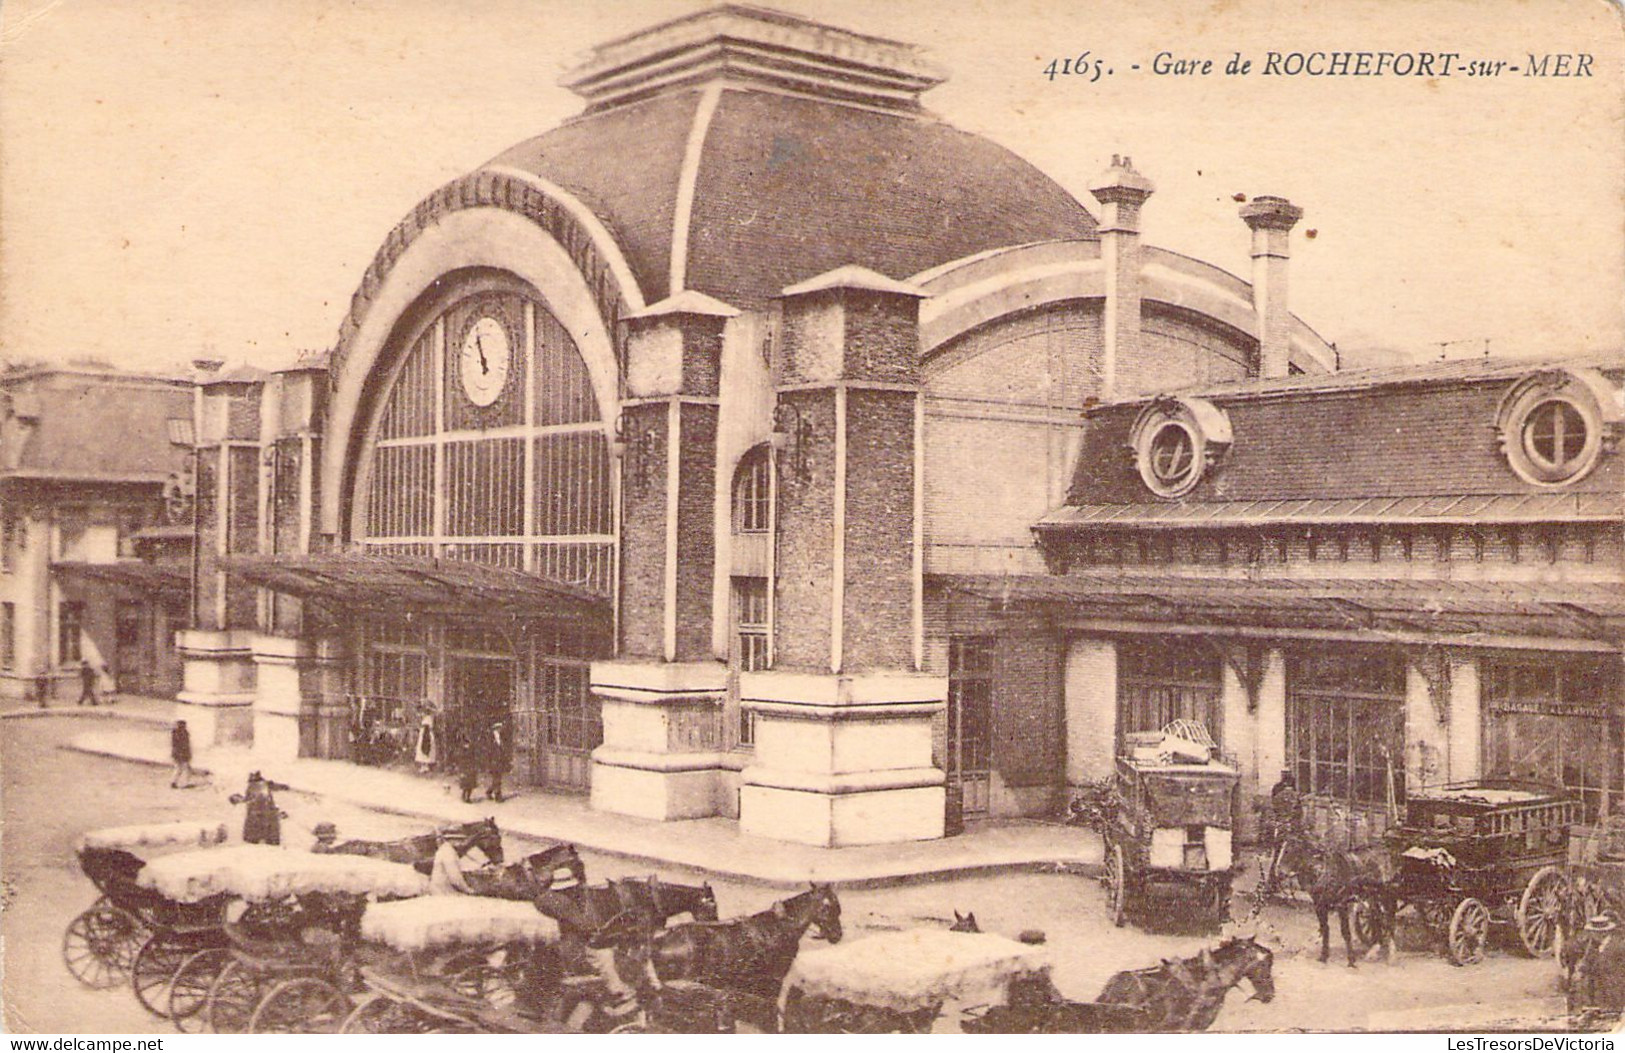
(126, 707)
(712, 845)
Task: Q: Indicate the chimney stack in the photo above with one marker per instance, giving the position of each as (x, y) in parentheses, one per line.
(1271, 220)
(1121, 191)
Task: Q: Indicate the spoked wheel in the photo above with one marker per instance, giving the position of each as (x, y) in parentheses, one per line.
(487, 984)
(155, 967)
(1469, 931)
(1540, 911)
(189, 988)
(1363, 923)
(378, 1014)
(305, 1005)
(1117, 886)
(233, 997)
(100, 945)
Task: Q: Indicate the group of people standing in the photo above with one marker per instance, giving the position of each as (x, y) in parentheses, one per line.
(478, 741)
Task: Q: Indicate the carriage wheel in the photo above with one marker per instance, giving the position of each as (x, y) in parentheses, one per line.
(487, 984)
(378, 1014)
(1363, 923)
(100, 945)
(1117, 886)
(305, 1005)
(233, 997)
(1540, 911)
(189, 988)
(1469, 931)
(155, 966)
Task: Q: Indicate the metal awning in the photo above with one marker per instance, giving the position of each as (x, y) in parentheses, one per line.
(1437, 510)
(139, 577)
(1453, 609)
(418, 586)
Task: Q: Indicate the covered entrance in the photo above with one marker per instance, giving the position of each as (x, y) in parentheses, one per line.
(461, 645)
(1554, 719)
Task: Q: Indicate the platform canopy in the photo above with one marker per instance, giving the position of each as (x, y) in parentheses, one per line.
(133, 575)
(1460, 611)
(420, 586)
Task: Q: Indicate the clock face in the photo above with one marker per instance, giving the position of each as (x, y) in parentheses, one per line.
(485, 357)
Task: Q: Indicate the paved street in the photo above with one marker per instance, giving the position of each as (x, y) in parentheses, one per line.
(52, 796)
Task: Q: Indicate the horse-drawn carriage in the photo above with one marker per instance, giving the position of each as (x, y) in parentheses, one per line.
(446, 963)
(130, 931)
(284, 914)
(920, 980)
(1473, 855)
(1167, 831)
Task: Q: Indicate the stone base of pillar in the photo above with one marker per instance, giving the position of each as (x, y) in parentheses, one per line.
(291, 682)
(218, 686)
(843, 760)
(662, 752)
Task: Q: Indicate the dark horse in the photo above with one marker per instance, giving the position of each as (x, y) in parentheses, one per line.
(1338, 880)
(747, 956)
(646, 903)
(1186, 995)
(554, 867)
(418, 851)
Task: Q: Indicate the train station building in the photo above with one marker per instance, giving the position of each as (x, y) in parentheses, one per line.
(836, 470)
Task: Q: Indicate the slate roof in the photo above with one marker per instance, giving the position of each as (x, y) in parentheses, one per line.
(1300, 443)
(95, 428)
(789, 187)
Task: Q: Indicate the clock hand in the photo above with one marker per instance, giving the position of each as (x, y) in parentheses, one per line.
(479, 344)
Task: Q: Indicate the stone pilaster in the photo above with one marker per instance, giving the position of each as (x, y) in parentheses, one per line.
(1121, 192)
(843, 721)
(1271, 220)
(1091, 710)
(661, 757)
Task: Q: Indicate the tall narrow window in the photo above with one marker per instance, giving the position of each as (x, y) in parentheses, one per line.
(8, 637)
(750, 621)
(751, 492)
(70, 621)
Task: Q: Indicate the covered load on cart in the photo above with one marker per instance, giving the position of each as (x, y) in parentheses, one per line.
(131, 931)
(916, 981)
(287, 914)
(1475, 854)
(457, 963)
(1168, 827)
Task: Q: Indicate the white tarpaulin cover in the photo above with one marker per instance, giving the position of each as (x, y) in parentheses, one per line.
(443, 921)
(158, 835)
(911, 970)
(264, 872)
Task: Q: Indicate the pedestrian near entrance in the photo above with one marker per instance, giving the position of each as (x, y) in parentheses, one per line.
(180, 753)
(262, 825)
(468, 759)
(500, 756)
(87, 682)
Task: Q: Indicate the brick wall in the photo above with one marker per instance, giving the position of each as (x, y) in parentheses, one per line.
(696, 531)
(643, 532)
(806, 542)
(1179, 349)
(878, 609)
(882, 337)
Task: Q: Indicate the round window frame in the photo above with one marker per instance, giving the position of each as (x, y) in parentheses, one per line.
(1192, 473)
(1518, 417)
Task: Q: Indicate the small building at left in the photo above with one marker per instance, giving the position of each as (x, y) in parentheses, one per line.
(96, 526)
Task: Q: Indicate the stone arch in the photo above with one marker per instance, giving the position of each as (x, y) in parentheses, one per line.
(487, 220)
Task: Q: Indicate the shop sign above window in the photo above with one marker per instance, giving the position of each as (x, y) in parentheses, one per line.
(1177, 441)
(1556, 424)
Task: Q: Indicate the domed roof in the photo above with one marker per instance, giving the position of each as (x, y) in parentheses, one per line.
(740, 151)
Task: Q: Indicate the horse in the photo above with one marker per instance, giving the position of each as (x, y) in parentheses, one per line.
(748, 956)
(418, 851)
(530, 877)
(1186, 995)
(1336, 880)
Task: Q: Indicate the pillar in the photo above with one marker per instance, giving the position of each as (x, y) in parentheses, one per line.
(217, 685)
(300, 708)
(1241, 742)
(1428, 716)
(661, 757)
(843, 719)
(1091, 710)
(1466, 719)
(1121, 192)
(1270, 721)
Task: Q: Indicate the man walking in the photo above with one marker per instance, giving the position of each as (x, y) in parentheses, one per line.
(180, 752)
(500, 759)
(87, 682)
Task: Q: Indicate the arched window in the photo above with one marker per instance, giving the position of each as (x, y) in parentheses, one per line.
(751, 492)
(487, 443)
